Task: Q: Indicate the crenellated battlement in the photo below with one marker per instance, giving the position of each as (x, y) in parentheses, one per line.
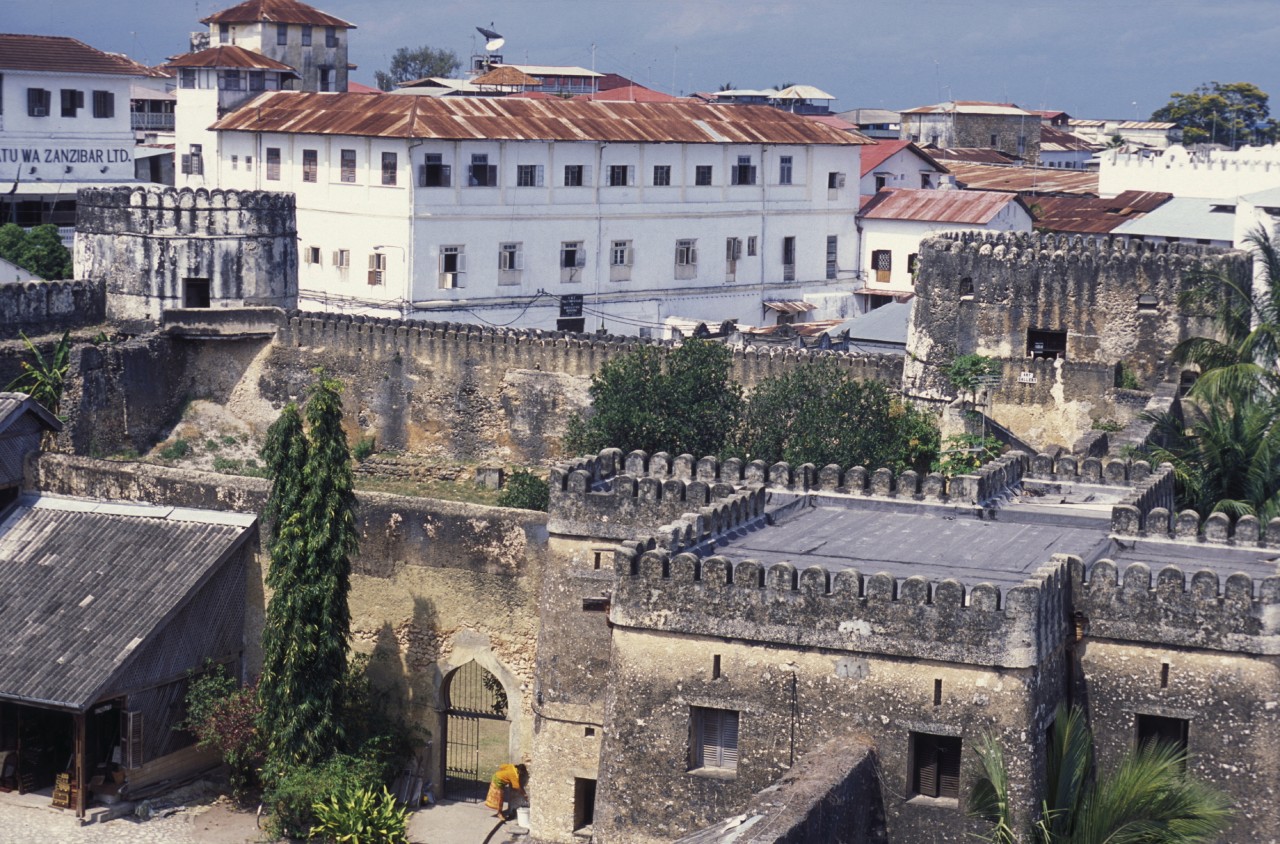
(183, 211)
(842, 610)
(1026, 247)
(1070, 468)
(1189, 526)
(39, 307)
(1240, 614)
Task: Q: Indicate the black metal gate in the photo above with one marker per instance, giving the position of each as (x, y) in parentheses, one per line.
(475, 706)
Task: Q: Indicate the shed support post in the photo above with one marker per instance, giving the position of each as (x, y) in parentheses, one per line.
(79, 764)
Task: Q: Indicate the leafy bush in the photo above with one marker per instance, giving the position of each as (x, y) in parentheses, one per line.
(1107, 425)
(525, 491)
(39, 250)
(364, 447)
(211, 444)
(298, 790)
(44, 379)
(966, 372)
(223, 717)
(175, 450)
(1126, 378)
(963, 453)
(361, 816)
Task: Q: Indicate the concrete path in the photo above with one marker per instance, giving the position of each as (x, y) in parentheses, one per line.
(450, 822)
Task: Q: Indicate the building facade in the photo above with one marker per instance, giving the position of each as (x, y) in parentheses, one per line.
(572, 215)
(312, 42)
(1000, 126)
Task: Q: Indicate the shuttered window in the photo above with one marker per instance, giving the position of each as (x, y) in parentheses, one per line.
(935, 765)
(714, 740)
(133, 757)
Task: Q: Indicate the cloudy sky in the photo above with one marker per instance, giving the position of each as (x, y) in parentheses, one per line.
(1096, 58)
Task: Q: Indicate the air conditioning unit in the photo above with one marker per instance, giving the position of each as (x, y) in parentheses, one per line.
(450, 281)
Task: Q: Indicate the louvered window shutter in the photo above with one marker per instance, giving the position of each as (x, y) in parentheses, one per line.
(728, 739)
(519, 259)
(948, 757)
(133, 740)
(581, 260)
(186, 164)
(926, 766)
(586, 175)
(710, 739)
(631, 174)
(446, 175)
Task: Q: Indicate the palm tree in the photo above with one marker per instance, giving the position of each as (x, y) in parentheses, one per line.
(1147, 799)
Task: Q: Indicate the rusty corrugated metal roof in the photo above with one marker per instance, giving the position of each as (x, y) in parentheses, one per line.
(276, 11)
(508, 118)
(790, 307)
(229, 56)
(626, 94)
(57, 53)
(971, 107)
(937, 206)
(1026, 180)
(505, 75)
(974, 155)
(1087, 215)
(1056, 140)
(882, 151)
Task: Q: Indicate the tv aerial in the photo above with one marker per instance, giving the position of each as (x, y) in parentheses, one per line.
(494, 42)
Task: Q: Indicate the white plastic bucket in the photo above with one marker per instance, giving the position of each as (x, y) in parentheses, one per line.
(522, 816)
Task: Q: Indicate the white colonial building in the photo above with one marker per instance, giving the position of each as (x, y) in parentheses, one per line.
(64, 124)
(551, 213)
(1208, 174)
(312, 42)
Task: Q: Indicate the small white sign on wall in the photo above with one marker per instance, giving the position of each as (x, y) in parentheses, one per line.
(1026, 378)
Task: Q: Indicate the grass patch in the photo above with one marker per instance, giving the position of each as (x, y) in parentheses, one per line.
(175, 450)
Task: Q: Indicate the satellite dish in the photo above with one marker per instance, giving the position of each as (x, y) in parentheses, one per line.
(495, 44)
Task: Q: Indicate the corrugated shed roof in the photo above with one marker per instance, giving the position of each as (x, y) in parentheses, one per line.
(832, 120)
(1189, 218)
(1139, 125)
(975, 155)
(1089, 215)
(504, 75)
(937, 206)
(1029, 180)
(865, 116)
(276, 11)
(625, 94)
(972, 107)
(84, 584)
(796, 306)
(508, 118)
(229, 55)
(59, 54)
(1056, 140)
(14, 405)
(882, 151)
(554, 70)
(803, 92)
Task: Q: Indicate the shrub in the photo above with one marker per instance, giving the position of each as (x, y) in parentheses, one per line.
(1107, 425)
(1126, 378)
(963, 453)
(175, 450)
(211, 444)
(361, 816)
(299, 789)
(223, 717)
(364, 447)
(525, 491)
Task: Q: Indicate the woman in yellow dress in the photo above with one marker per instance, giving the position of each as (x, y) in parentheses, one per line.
(507, 777)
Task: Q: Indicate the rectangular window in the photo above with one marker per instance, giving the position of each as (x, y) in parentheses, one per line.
(248, 163)
(1046, 344)
(510, 260)
(482, 174)
(620, 253)
(348, 172)
(882, 265)
(572, 260)
(833, 250)
(453, 266)
(273, 164)
(621, 175)
(732, 253)
(994, 141)
(1151, 728)
(788, 259)
(229, 80)
(326, 77)
(282, 34)
(529, 175)
(935, 765)
(235, 162)
(331, 36)
(913, 264)
(342, 258)
(377, 268)
(193, 161)
(744, 173)
(573, 176)
(72, 101)
(686, 259)
(257, 80)
(306, 38)
(702, 174)
(188, 78)
(38, 102)
(835, 181)
(312, 255)
(784, 170)
(926, 181)
(389, 168)
(196, 293)
(435, 173)
(310, 165)
(224, 33)
(751, 246)
(662, 175)
(104, 104)
(713, 739)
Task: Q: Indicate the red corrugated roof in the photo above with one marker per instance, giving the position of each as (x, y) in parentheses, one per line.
(276, 11)
(975, 155)
(1088, 215)
(510, 118)
(937, 206)
(57, 53)
(1056, 140)
(1030, 180)
(834, 121)
(228, 56)
(360, 88)
(882, 151)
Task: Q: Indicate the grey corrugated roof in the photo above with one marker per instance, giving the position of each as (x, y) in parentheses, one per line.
(1183, 217)
(885, 324)
(85, 584)
(13, 405)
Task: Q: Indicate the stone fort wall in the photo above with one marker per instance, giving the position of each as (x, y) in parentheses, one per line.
(45, 307)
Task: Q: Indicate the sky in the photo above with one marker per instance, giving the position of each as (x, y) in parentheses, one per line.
(1091, 58)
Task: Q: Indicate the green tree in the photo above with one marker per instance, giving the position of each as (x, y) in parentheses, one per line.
(819, 414)
(310, 515)
(39, 250)
(1147, 799)
(525, 491)
(967, 372)
(223, 716)
(1232, 114)
(408, 64)
(679, 401)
